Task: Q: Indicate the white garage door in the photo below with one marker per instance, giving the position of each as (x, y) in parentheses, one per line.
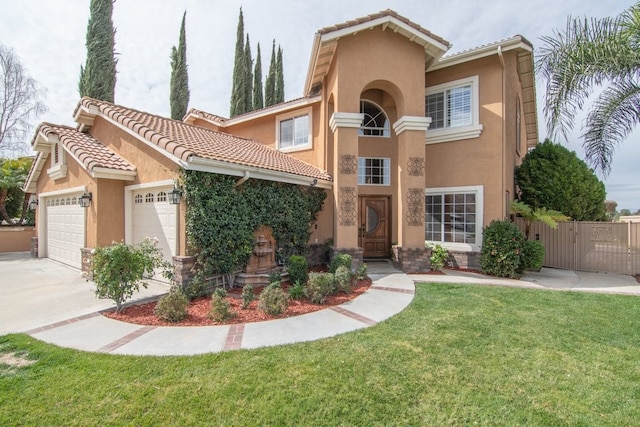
(65, 229)
(153, 217)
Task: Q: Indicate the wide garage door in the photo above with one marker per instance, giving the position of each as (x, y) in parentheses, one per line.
(65, 229)
(154, 217)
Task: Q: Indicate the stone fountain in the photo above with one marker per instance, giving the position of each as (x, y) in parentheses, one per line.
(262, 261)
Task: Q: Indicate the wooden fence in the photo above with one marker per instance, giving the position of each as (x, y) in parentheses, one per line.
(612, 247)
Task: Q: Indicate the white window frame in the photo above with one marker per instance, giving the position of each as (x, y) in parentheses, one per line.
(386, 130)
(479, 192)
(386, 170)
(293, 115)
(456, 133)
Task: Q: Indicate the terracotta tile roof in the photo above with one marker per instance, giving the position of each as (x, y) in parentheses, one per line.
(381, 14)
(90, 152)
(186, 141)
(204, 115)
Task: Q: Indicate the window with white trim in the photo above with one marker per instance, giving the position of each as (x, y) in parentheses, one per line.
(293, 131)
(374, 171)
(454, 110)
(375, 122)
(454, 215)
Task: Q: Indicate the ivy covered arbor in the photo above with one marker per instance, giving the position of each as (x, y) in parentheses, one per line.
(221, 217)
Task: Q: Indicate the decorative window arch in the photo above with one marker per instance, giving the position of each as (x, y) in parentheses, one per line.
(375, 122)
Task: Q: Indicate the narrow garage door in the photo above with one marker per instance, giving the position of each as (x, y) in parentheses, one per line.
(65, 229)
(154, 217)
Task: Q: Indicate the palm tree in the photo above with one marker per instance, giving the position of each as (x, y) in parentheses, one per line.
(589, 55)
(544, 215)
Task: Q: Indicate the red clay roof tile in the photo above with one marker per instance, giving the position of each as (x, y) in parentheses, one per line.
(185, 141)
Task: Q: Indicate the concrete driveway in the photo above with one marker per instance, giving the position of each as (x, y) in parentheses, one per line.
(38, 292)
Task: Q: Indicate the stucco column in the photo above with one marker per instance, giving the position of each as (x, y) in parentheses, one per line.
(345, 178)
(411, 180)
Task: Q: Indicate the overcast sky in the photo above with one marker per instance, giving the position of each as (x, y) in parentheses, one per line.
(49, 38)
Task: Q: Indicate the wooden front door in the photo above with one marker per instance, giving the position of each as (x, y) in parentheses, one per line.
(373, 225)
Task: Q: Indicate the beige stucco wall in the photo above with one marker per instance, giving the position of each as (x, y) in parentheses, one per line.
(16, 239)
(476, 161)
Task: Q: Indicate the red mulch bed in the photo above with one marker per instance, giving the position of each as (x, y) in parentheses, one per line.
(198, 310)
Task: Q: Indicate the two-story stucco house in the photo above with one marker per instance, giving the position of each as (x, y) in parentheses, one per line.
(411, 145)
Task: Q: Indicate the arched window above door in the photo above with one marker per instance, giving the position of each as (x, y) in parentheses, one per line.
(375, 122)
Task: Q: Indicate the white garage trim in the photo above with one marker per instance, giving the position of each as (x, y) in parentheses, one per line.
(43, 229)
(130, 191)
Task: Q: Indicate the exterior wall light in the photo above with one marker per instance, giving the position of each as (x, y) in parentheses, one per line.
(33, 204)
(175, 195)
(85, 200)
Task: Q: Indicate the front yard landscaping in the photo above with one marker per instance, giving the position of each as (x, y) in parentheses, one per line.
(457, 355)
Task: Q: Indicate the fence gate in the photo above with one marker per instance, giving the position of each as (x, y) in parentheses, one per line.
(613, 247)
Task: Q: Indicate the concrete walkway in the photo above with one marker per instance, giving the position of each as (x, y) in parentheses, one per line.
(389, 294)
(41, 292)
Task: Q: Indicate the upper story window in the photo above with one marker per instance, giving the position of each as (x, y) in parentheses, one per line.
(375, 122)
(294, 130)
(454, 111)
(374, 171)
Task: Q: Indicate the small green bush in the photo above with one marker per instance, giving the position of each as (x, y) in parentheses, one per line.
(197, 287)
(320, 286)
(172, 307)
(438, 256)
(501, 253)
(297, 291)
(338, 260)
(361, 272)
(298, 269)
(273, 300)
(533, 255)
(247, 295)
(275, 277)
(343, 279)
(220, 307)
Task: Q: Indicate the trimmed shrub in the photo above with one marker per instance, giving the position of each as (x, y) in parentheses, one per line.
(298, 269)
(343, 279)
(501, 253)
(533, 255)
(275, 277)
(297, 291)
(273, 300)
(320, 286)
(439, 256)
(338, 260)
(220, 307)
(172, 307)
(247, 295)
(361, 272)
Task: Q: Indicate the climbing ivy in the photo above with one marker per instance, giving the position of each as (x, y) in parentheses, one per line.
(222, 217)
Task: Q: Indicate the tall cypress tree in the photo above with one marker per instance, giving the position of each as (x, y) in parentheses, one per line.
(248, 83)
(258, 99)
(270, 84)
(279, 90)
(179, 85)
(98, 76)
(239, 75)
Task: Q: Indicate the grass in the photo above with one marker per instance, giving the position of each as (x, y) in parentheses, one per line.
(457, 355)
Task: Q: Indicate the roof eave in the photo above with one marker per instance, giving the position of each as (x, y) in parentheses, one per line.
(226, 168)
(517, 42)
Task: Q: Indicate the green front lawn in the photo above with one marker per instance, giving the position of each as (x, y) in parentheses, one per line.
(457, 355)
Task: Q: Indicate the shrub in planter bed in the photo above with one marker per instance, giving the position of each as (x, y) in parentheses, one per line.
(172, 307)
(343, 279)
(273, 300)
(338, 260)
(320, 286)
(297, 291)
(247, 295)
(298, 269)
(220, 307)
